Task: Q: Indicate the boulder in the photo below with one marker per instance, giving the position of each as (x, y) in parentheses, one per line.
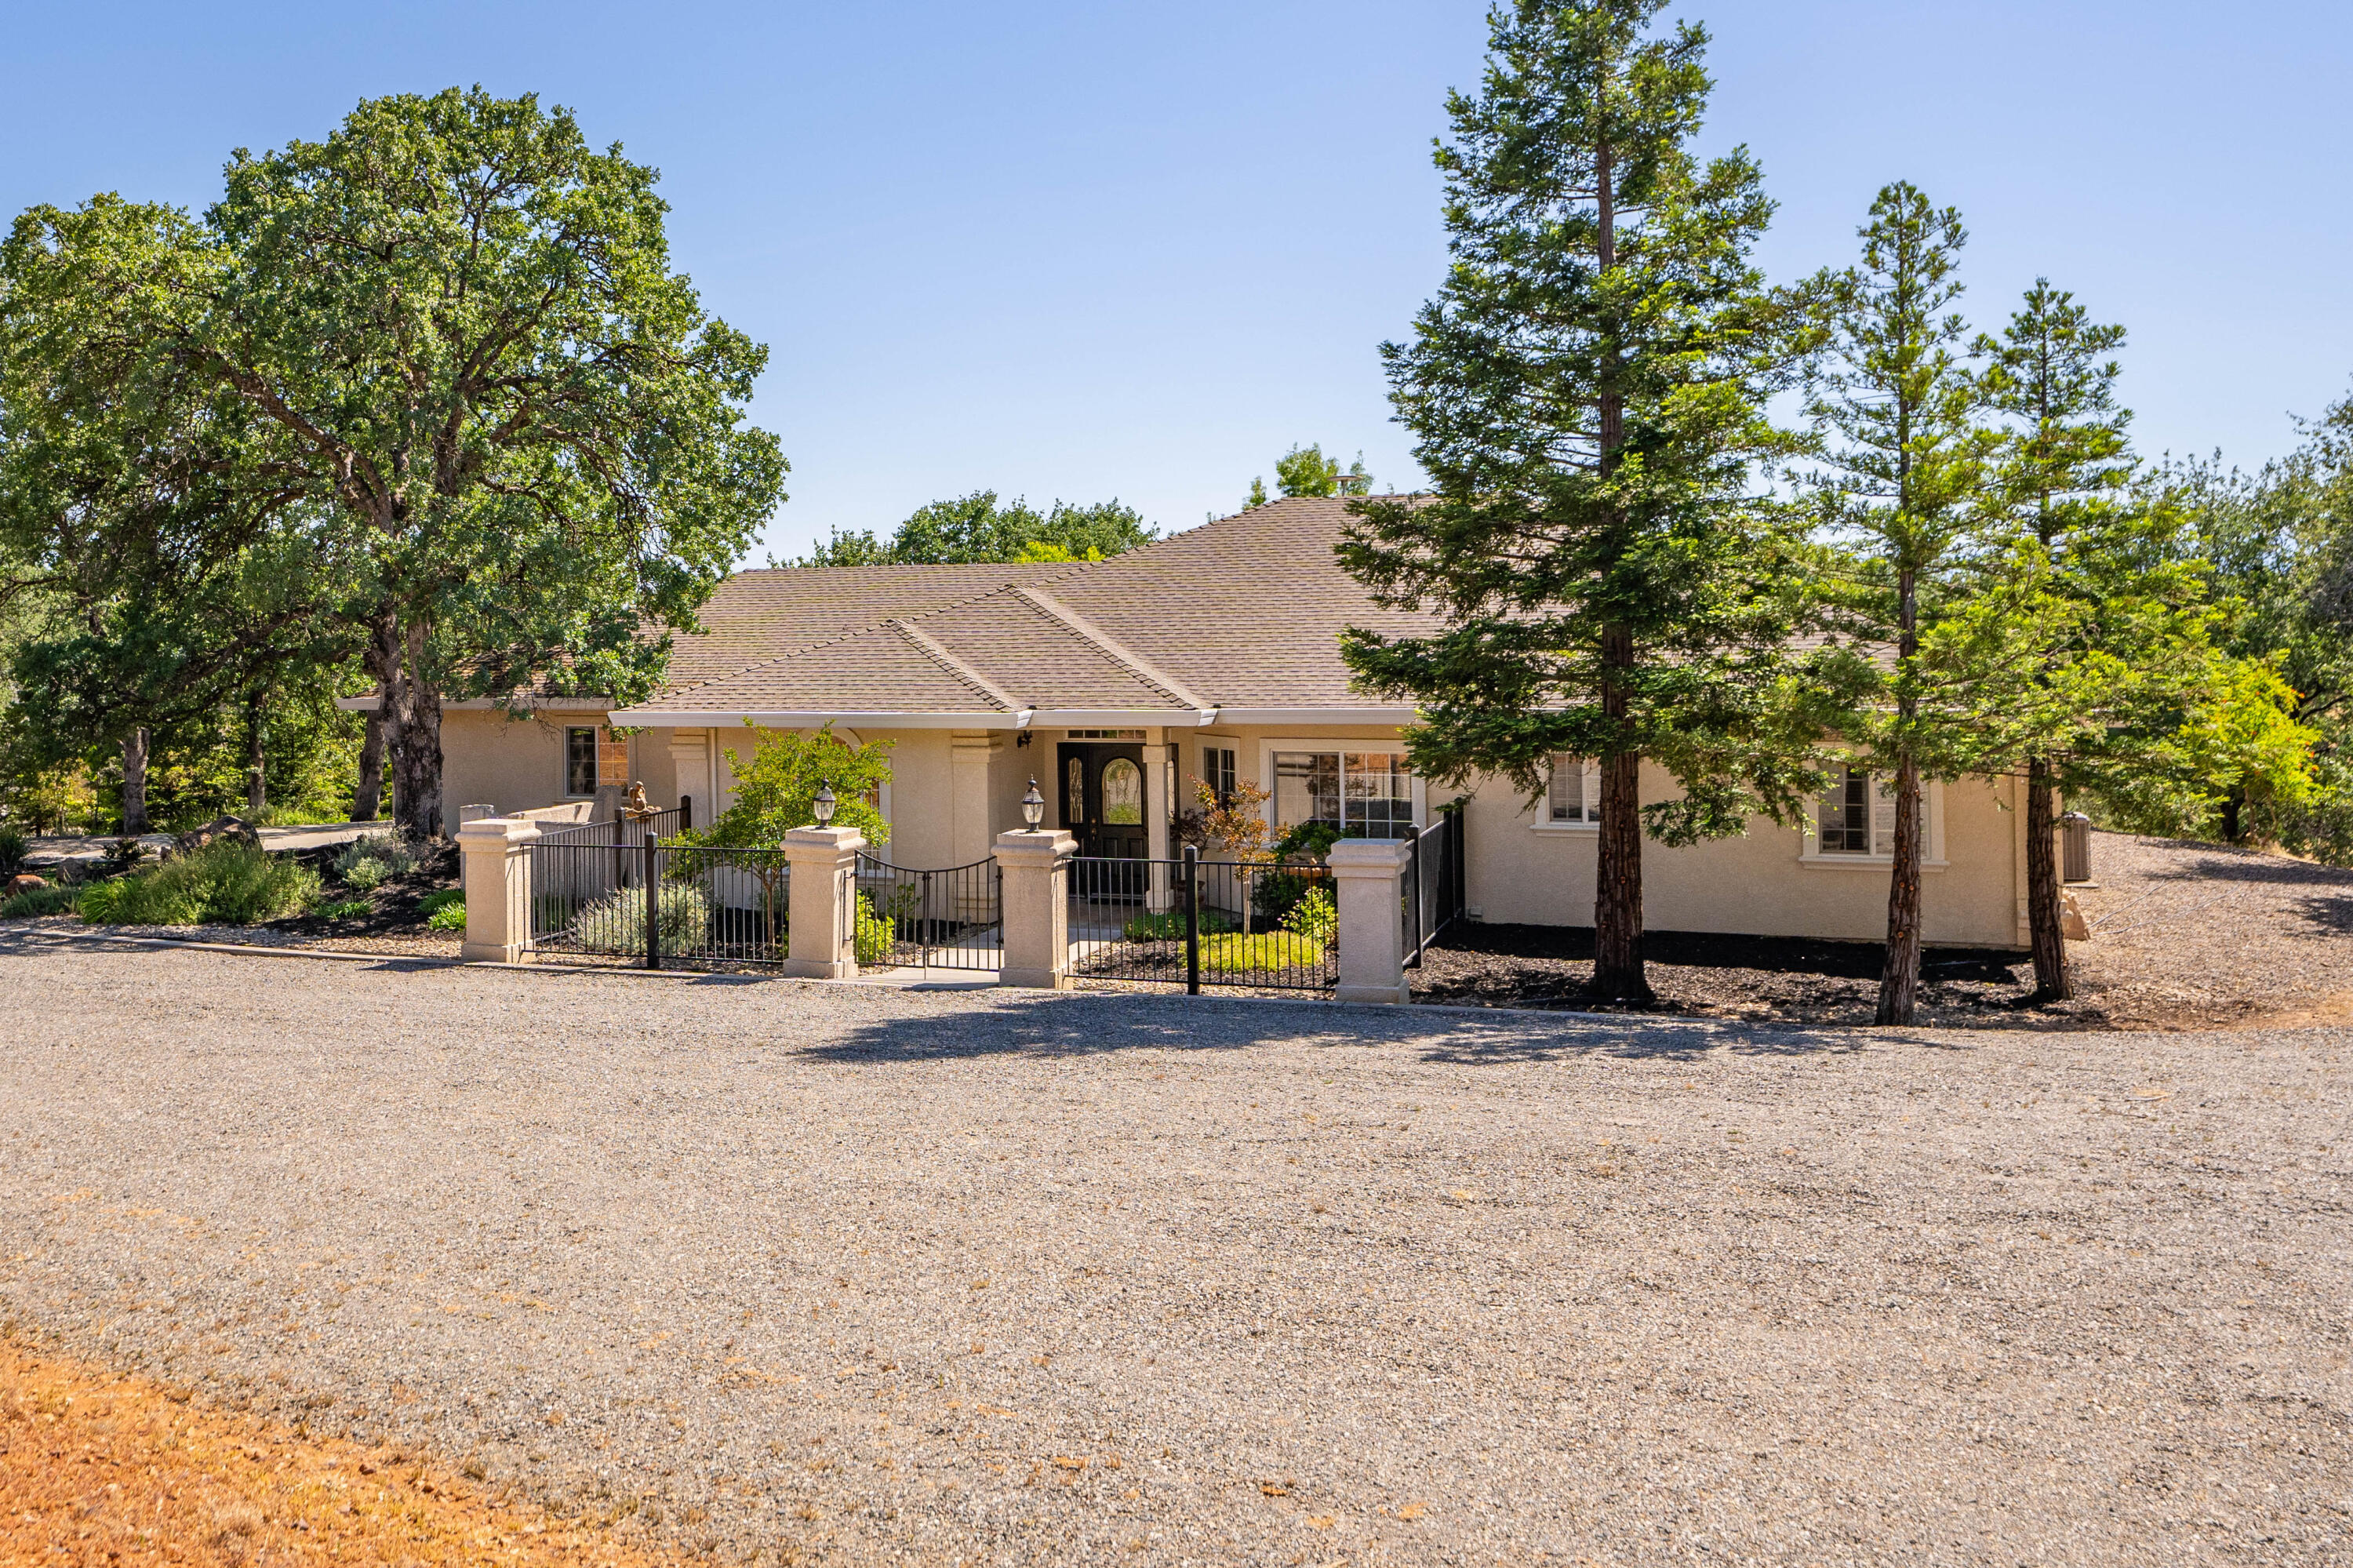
(218, 830)
(26, 883)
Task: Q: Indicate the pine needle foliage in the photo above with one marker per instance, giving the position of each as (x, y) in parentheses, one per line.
(1587, 393)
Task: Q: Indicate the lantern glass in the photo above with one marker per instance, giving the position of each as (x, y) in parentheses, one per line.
(825, 802)
(1033, 805)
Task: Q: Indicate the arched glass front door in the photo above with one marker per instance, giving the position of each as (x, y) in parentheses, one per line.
(1123, 793)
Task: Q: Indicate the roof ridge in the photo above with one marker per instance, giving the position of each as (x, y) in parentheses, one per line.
(932, 648)
(1142, 668)
(847, 632)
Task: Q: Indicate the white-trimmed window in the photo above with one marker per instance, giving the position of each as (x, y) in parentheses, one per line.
(1856, 816)
(580, 761)
(1572, 798)
(1217, 772)
(1365, 794)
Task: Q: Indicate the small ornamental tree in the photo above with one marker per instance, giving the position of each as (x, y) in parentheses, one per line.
(1588, 397)
(776, 792)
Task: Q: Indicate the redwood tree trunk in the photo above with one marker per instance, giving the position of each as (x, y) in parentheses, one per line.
(414, 723)
(1899, 981)
(2042, 925)
(135, 782)
(1899, 976)
(1618, 969)
(1618, 972)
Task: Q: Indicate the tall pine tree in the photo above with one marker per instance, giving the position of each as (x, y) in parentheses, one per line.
(1896, 412)
(1586, 391)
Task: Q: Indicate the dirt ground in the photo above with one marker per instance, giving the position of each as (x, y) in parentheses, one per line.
(2183, 936)
(99, 1468)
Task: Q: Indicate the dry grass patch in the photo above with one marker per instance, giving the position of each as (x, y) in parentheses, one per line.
(100, 1469)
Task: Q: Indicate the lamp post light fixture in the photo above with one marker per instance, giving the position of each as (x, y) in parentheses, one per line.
(825, 802)
(1033, 806)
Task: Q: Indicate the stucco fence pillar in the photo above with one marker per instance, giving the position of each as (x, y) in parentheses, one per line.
(823, 938)
(497, 879)
(1034, 902)
(1368, 884)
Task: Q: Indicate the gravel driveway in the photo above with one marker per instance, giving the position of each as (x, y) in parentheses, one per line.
(844, 1273)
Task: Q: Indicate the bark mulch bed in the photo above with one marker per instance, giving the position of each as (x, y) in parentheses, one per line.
(2182, 936)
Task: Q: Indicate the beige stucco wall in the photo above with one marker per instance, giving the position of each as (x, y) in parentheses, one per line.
(1519, 871)
(1759, 885)
(513, 762)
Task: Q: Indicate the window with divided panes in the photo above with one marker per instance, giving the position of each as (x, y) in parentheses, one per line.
(1573, 795)
(1857, 815)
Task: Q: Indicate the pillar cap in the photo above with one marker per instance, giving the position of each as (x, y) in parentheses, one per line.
(1368, 857)
(837, 840)
(1035, 846)
(496, 832)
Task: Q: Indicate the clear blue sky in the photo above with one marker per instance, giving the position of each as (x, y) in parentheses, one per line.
(1086, 249)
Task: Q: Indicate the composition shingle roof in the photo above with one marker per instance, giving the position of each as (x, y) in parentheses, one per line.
(1244, 612)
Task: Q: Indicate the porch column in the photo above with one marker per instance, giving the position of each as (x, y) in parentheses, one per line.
(1036, 863)
(822, 938)
(497, 862)
(969, 826)
(689, 760)
(1369, 880)
(1158, 895)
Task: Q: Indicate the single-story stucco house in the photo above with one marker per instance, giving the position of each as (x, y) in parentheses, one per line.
(1211, 654)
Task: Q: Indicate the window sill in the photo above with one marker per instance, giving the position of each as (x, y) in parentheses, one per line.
(1564, 827)
(1862, 862)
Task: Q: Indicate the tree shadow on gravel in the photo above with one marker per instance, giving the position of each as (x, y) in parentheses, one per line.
(1098, 1026)
(2218, 863)
(38, 942)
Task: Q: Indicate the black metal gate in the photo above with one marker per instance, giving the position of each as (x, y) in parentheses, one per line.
(1190, 922)
(947, 919)
(1434, 883)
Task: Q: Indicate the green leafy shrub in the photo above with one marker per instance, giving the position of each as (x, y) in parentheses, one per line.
(1238, 954)
(435, 902)
(342, 908)
(872, 936)
(617, 924)
(1314, 916)
(445, 910)
(226, 885)
(1170, 927)
(38, 901)
(1275, 893)
(13, 845)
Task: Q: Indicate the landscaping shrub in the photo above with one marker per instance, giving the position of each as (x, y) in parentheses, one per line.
(390, 857)
(38, 901)
(1170, 927)
(872, 935)
(365, 873)
(1314, 916)
(228, 883)
(617, 924)
(1238, 954)
(445, 910)
(13, 845)
(342, 908)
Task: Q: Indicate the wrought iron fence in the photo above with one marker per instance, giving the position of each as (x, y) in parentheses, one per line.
(951, 918)
(718, 905)
(1198, 923)
(1434, 883)
(615, 890)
